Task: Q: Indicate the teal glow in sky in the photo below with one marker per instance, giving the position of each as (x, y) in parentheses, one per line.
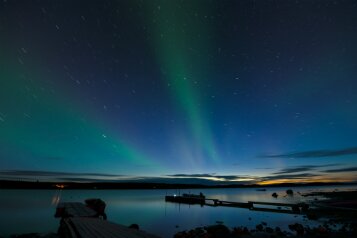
(245, 91)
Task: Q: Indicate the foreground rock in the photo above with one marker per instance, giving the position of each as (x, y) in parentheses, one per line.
(262, 231)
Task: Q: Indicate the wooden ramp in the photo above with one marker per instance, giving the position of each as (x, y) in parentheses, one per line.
(84, 227)
(74, 209)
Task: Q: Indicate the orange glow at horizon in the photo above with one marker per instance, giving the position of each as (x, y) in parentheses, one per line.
(319, 180)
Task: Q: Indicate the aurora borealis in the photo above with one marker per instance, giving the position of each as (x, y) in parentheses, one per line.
(246, 91)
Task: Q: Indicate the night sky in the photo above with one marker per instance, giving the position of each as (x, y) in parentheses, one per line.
(190, 90)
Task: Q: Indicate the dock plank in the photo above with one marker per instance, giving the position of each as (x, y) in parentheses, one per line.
(278, 204)
(76, 209)
(96, 228)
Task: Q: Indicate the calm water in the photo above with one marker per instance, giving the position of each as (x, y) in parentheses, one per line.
(25, 211)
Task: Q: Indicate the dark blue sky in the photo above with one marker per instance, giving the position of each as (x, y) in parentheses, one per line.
(250, 91)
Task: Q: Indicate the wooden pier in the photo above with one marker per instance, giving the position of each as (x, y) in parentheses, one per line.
(74, 209)
(217, 202)
(295, 208)
(92, 208)
(85, 227)
(89, 221)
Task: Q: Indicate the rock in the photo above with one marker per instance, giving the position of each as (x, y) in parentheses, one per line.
(295, 208)
(218, 231)
(240, 231)
(290, 192)
(343, 229)
(321, 230)
(278, 232)
(312, 216)
(180, 234)
(194, 233)
(269, 230)
(305, 207)
(134, 226)
(298, 228)
(259, 227)
(275, 195)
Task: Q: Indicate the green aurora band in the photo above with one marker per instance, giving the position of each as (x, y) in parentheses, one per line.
(40, 121)
(174, 28)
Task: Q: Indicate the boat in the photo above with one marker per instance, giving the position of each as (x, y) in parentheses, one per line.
(187, 198)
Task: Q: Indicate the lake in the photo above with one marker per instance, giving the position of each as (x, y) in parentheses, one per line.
(26, 211)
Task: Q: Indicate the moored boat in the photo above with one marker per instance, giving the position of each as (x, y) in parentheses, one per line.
(187, 198)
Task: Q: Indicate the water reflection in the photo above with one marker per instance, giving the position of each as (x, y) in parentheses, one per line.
(22, 212)
(56, 197)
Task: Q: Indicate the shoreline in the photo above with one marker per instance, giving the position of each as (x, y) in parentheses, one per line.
(262, 230)
(11, 184)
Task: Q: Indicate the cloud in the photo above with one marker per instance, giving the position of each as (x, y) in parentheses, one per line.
(211, 176)
(303, 168)
(187, 180)
(205, 179)
(35, 173)
(294, 170)
(289, 176)
(87, 180)
(12, 178)
(191, 175)
(350, 169)
(315, 153)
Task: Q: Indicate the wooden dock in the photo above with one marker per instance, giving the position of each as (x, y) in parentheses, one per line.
(296, 208)
(74, 209)
(94, 207)
(85, 227)
(85, 221)
(217, 202)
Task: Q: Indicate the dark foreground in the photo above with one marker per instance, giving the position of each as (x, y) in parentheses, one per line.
(336, 210)
(262, 230)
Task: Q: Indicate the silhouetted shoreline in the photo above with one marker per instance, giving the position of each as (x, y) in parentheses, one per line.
(7, 184)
